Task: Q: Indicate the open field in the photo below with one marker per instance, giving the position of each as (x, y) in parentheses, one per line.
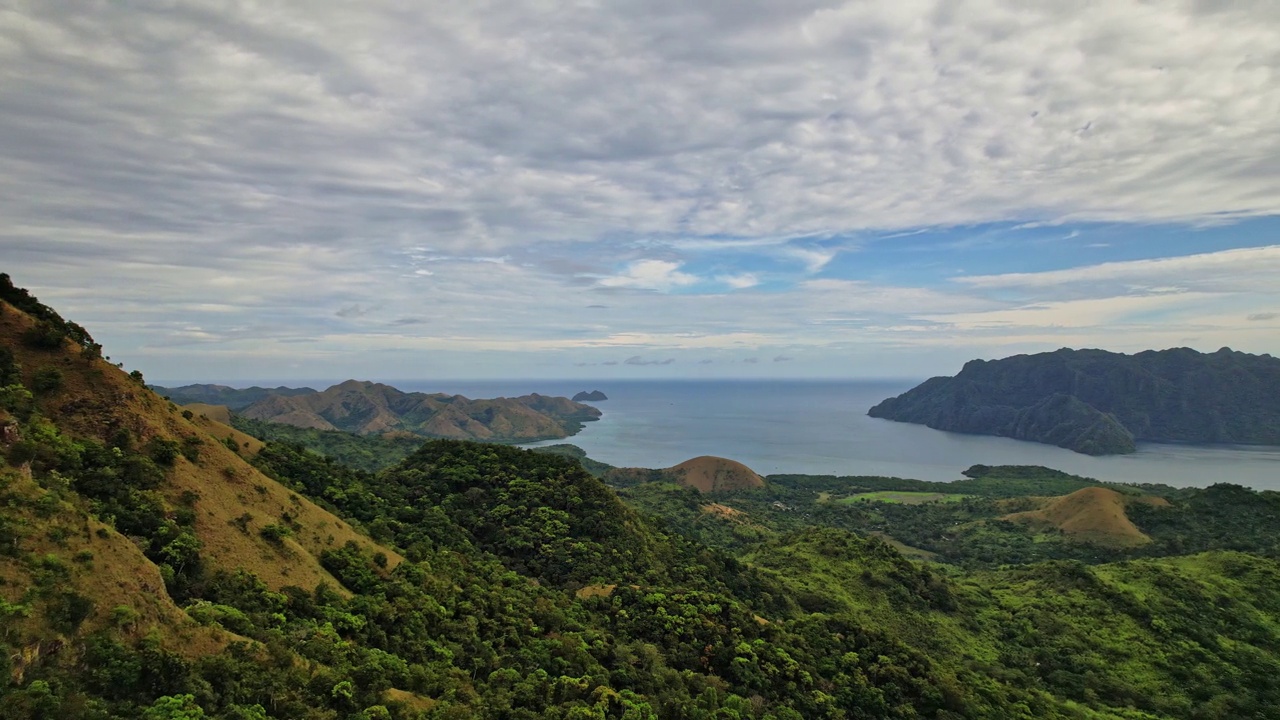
(905, 497)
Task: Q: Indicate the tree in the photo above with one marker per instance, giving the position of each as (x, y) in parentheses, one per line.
(174, 707)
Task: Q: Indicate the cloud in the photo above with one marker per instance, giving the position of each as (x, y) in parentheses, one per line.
(354, 311)
(739, 282)
(781, 358)
(1247, 269)
(637, 360)
(268, 174)
(659, 275)
(751, 360)
(812, 259)
(1262, 317)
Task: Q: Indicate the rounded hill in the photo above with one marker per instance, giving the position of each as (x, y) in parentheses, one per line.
(709, 473)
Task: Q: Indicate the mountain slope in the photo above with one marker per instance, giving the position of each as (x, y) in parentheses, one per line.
(97, 414)
(368, 408)
(1100, 403)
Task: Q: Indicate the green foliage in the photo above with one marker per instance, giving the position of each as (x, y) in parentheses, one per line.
(47, 380)
(181, 707)
(364, 452)
(10, 371)
(163, 451)
(18, 400)
(66, 609)
(275, 533)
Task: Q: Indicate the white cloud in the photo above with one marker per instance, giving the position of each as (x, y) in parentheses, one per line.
(251, 170)
(1248, 269)
(739, 282)
(650, 275)
(1095, 312)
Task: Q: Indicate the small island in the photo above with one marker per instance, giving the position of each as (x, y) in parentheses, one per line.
(1102, 403)
(593, 396)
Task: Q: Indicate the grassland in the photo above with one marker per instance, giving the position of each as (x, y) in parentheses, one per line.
(902, 497)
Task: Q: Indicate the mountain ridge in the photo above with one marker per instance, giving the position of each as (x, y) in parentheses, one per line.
(1102, 403)
(369, 408)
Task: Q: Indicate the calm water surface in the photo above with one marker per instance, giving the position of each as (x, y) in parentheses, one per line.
(821, 427)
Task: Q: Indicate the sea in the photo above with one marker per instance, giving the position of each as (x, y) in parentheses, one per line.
(821, 427)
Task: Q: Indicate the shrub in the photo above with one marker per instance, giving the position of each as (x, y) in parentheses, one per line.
(163, 451)
(44, 336)
(67, 609)
(275, 533)
(47, 380)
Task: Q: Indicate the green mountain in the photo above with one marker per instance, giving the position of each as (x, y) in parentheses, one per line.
(234, 398)
(1099, 403)
(368, 408)
(151, 567)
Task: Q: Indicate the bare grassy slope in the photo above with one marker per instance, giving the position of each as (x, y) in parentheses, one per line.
(74, 550)
(97, 400)
(1092, 514)
(708, 474)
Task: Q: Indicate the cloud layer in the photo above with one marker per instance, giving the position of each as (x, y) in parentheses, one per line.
(376, 180)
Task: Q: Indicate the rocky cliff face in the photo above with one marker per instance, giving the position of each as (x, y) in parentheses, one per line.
(1100, 403)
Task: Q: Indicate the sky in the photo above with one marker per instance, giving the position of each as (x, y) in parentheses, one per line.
(226, 190)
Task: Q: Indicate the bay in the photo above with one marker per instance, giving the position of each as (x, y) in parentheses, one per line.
(821, 427)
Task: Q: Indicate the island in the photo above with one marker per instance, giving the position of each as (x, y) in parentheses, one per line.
(593, 396)
(1102, 403)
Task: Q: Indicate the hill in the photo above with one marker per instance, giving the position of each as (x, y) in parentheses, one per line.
(1094, 515)
(130, 454)
(593, 396)
(707, 474)
(1099, 403)
(715, 474)
(217, 413)
(368, 408)
(233, 398)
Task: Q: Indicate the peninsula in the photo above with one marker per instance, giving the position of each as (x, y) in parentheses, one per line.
(1101, 403)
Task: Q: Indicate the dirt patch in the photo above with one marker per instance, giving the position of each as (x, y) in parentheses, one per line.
(723, 511)
(410, 701)
(591, 591)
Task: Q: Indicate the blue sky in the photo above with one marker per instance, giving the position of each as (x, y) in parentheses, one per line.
(227, 191)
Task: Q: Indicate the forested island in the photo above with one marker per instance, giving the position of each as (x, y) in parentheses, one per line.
(1102, 403)
(157, 564)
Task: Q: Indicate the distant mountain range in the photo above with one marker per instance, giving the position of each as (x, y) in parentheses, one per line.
(368, 408)
(1100, 403)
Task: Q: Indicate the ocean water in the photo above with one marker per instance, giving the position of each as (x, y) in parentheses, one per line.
(821, 427)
